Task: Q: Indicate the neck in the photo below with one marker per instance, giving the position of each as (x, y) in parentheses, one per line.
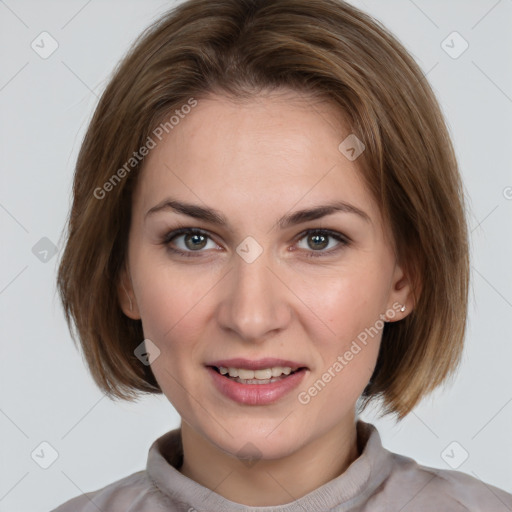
(267, 482)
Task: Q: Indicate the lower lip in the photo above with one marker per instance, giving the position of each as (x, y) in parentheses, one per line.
(256, 394)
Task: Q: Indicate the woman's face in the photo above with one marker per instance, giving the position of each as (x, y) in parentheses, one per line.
(260, 281)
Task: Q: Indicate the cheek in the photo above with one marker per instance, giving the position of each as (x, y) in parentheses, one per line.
(348, 359)
(349, 302)
(172, 309)
(168, 298)
(350, 305)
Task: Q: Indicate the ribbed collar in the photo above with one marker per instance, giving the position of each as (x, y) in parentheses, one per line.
(343, 493)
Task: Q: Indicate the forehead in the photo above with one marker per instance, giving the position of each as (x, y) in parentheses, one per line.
(267, 153)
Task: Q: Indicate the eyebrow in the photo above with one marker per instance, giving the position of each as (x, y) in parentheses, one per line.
(290, 219)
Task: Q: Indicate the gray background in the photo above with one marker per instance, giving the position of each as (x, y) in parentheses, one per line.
(47, 394)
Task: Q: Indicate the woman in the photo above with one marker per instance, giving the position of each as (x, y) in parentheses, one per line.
(268, 228)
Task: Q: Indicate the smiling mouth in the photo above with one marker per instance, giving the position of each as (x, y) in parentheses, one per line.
(257, 380)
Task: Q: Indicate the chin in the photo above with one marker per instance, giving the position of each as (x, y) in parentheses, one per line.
(261, 441)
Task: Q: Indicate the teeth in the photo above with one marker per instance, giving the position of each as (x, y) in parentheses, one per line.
(262, 374)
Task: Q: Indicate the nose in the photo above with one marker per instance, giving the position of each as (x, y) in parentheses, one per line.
(255, 301)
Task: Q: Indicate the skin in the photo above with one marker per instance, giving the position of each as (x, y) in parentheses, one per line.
(255, 161)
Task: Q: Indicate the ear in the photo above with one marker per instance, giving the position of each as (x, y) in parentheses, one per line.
(405, 291)
(126, 295)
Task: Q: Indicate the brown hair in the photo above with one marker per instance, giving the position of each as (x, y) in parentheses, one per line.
(327, 49)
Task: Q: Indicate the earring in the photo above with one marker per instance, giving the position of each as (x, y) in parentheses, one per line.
(402, 309)
(131, 306)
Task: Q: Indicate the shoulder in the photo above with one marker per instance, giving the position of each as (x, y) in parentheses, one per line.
(427, 488)
(129, 494)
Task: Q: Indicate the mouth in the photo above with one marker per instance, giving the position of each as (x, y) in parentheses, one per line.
(263, 386)
(257, 377)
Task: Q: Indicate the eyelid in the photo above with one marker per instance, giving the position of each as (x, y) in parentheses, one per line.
(171, 235)
(342, 239)
(330, 232)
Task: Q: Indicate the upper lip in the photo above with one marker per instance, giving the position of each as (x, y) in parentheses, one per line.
(258, 364)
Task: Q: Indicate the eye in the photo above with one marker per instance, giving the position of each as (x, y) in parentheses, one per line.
(318, 239)
(190, 241)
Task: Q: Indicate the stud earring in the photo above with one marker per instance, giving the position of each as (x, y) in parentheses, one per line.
(402, 309)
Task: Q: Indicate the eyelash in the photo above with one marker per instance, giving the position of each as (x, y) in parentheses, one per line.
(344, 241)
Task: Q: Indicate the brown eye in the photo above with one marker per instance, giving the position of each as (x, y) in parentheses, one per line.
(187, 241)
(194, 241)
(318, 239)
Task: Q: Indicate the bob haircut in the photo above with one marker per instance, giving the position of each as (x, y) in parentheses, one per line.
(326, 50)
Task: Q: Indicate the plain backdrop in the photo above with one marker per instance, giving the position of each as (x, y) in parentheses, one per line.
(47, 395)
